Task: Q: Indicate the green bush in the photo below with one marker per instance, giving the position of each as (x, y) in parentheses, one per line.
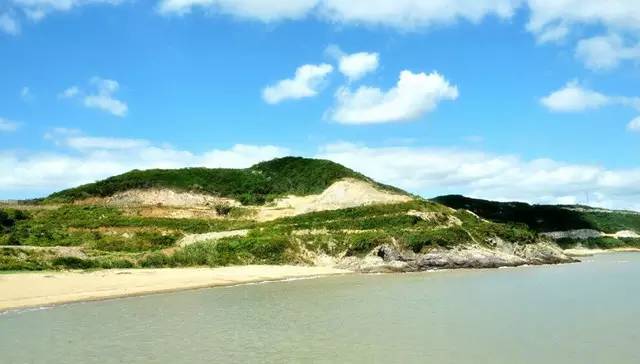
(72, 263)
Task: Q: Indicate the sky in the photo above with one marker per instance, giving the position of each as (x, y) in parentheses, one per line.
(530, 100)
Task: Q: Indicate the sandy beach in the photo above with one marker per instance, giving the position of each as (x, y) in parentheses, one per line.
(582, 252)
(20, 290)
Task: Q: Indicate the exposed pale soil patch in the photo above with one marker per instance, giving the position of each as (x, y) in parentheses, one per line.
(161, 197)
(342, 194)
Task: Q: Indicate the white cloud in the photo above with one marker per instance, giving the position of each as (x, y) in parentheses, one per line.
(634, 125)
(553, 34)
(103, 98)
(307, 82)
(412, 14)
(436, 171)
(70, 92)
(573, 98)
(34, 174)
(400, 14)
(606, 52)
(615, 15)
(414, 95)
(424, 170)
(9, 24)
(265, 11)
(7, 125)
(356, 65)
(74, 139)
(37, 9)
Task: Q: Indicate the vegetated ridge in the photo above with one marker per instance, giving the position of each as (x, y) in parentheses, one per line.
(571, 224)
(255, 185)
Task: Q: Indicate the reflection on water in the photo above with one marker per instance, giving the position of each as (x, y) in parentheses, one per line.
(577, 313)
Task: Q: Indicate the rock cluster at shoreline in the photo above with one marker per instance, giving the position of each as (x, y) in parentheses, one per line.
(387, 258)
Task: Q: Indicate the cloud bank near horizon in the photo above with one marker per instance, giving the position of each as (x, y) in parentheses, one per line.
(424, 170)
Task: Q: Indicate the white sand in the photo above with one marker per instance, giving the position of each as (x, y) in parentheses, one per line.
(582, 252)
(19, 290)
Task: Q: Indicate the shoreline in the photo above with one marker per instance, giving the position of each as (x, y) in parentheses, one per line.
(587, 252)
(24, 290)
(42, 289)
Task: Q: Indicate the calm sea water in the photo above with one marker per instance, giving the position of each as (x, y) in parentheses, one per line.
(577, 313)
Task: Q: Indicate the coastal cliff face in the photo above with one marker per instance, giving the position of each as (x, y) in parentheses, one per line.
(388, 258)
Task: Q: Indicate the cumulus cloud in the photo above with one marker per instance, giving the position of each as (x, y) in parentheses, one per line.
(435, 171)
(307, 82)
(356, 65)
(549, 20)
(35, 10)
(400, 14)
(414, 95)
(265, 11)
(74, 139)
(606, 52)
(101, 98)
(7, 125)
(81, 159)
(428, 171)
(412, 14)
(573, 97)
(634, 125)
(9, 24)
(548, 15)
(70, 92)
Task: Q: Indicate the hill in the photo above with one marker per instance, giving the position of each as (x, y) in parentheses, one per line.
(256, 185)
(285, 211)
(569, 224)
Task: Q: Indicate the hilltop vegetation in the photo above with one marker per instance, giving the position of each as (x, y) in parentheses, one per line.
(546, 218)
(251, 186)
(549, 218)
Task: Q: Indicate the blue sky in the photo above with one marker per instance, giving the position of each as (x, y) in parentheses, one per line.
(531, 100)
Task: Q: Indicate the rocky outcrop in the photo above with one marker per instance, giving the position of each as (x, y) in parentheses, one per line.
(387, 258)
(584, 234)
(581, 234)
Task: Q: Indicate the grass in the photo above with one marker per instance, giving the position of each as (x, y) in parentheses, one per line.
(111, 239)
(97, 230)
(72, 225)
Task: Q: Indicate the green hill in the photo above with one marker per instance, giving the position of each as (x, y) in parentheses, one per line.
(546, 218)
(251, 186)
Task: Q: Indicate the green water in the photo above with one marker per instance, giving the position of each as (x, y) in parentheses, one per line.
(577, 313)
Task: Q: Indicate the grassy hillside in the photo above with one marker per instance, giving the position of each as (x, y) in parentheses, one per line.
(545, 218)
(105, 237)
(255, 185)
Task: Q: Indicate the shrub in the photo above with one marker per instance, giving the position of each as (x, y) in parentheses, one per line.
(223, 209)
(72, 263)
